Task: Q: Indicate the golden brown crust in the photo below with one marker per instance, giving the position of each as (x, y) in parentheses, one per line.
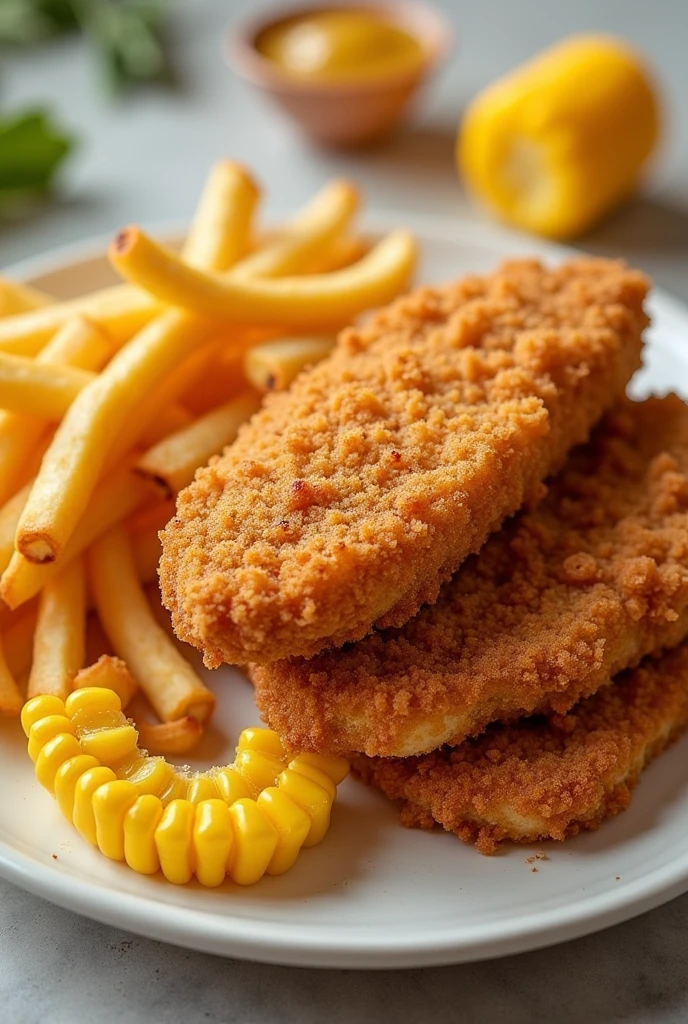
(540, 779)
(556, 603)
(348, 500)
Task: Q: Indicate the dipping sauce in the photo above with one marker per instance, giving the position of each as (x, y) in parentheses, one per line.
(340, 46)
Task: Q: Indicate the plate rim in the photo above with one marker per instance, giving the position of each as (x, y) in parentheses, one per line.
(260, 940)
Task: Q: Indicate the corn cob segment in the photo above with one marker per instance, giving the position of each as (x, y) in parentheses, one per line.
(557, 143)
(240, 821)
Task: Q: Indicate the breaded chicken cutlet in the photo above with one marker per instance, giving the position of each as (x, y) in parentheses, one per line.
(538, 779)
(560, 600)
(348, 500)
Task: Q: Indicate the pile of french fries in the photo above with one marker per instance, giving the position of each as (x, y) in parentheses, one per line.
(111, 401)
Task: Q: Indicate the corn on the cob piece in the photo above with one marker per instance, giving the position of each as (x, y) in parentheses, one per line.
(241, 821)
(558, 142)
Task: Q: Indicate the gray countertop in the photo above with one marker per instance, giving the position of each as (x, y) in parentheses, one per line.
(145, 159)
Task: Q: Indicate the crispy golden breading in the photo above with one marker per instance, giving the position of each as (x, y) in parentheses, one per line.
(349, 499)
(540, 779)
(556, 603)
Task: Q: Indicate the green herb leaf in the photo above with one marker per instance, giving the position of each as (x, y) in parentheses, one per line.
(125, 35)
(31, 150)
(30, 21)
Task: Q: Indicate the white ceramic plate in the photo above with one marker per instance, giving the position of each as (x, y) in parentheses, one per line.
(374, 894)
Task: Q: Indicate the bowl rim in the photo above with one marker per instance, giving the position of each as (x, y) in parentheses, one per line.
(429, 23)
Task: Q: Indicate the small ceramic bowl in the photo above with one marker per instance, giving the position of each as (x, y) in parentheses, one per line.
(343, 113)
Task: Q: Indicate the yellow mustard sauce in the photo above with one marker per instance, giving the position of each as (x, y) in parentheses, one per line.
(340, 46)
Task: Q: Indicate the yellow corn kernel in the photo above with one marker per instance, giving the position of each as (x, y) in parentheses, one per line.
(213, 839)
(290, 822)
(90, 702)
(112, 747)
(259, 769)
(558, 142)
(177, 789)
(265, 740)
(337, 768)
(173, 839)
(82, 817)
(66, 778)
(314, 800)
(309, 771)
(44, 729)
(230, 785)
(140, 824)
(255, 841)
(201, 788)
(110, 805)
(40, 707)
(54, 754)
(151, 775)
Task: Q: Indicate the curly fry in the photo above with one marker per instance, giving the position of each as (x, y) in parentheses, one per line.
(110, 672)
(170, 738)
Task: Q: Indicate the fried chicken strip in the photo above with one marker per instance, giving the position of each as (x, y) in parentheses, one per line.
(349, 499)
(560, 600)
(540, 779)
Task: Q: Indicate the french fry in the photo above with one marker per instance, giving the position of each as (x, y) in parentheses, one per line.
(22, 438)
(73, 463)
(111, 673)
(175, 459)
(169, 739)
(224, 379)
(162, 672)
(273, 365)
(152, 517)
(97, 644)
(114, 499)
(144, 420)
(307, 301)
(308, 234)
(121, 309)
(170, 419)
(19, 298)
(83, 441)
(59, 641)
(146, 549)
(17, 639)
(11, 700)
(224, 376)
(144, 528)
(39, 389)
(343, 251)
(221, 229)
(79, 343)
(9, 518)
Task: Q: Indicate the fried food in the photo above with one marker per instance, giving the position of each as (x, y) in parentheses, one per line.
(352, 497)
(540, 779)
(559, 601)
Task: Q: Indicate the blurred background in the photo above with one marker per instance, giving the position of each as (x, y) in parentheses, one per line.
(141, 153)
